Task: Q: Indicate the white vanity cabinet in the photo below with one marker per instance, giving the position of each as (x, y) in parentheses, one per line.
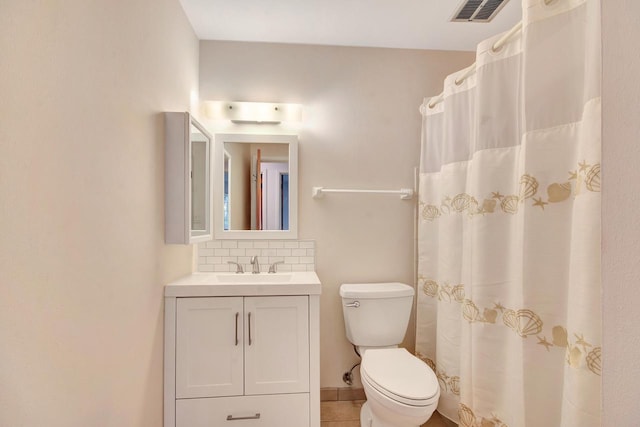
(229, 346)
(242, 355)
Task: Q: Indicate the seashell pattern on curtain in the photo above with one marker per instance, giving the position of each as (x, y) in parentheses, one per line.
(508, 308)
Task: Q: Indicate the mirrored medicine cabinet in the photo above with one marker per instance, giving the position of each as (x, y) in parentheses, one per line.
(188, 216)
(255, 186)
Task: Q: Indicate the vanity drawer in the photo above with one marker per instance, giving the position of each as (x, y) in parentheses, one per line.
(274, 411)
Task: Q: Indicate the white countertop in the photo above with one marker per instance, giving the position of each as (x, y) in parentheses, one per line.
(231, 284)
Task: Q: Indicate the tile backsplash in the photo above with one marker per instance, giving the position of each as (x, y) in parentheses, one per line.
(297, 255)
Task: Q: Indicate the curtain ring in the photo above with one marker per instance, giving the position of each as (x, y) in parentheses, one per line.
(548, 2)
(458, 82)
(431, 106)
(495, 49)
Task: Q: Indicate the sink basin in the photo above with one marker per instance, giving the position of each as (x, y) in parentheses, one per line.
(232, 284)
(250, 278)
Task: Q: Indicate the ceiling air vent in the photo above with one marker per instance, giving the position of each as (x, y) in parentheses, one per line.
(478, 10)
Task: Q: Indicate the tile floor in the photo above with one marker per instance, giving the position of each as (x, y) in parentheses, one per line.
(346, 413)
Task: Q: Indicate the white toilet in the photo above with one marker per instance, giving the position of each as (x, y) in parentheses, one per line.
(401, 390)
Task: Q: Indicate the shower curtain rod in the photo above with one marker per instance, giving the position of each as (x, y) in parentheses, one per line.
(405, 193)
(472, 68)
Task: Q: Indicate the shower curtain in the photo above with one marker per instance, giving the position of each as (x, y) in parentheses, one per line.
(508, 307)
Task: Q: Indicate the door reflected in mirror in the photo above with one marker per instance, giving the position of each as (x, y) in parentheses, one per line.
(257, 186)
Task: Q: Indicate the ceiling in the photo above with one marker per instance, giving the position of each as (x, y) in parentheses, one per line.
(412, 24)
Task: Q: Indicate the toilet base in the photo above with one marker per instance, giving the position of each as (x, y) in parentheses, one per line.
(367, 419)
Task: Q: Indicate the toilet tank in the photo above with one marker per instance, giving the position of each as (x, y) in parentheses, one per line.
(382, 313)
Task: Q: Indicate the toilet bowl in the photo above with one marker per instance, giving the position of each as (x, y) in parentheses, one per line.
(401, 390)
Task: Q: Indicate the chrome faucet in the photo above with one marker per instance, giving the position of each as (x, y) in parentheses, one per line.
(273, 268)
(239, 268)
(255, 266)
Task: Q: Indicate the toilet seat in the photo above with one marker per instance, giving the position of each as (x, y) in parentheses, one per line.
(400, 376)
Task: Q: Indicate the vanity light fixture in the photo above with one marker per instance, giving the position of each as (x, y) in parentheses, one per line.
(253, 112)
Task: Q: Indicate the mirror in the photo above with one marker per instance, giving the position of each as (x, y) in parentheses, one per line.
(255, 190)
(199, 181)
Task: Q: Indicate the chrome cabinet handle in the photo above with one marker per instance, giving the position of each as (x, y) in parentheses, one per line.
(237, 315)
(249, 328)
(354, 304)
(252, 417)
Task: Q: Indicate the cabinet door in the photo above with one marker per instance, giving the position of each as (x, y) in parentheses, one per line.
(276, 344)
(209, 347)
(187, 180)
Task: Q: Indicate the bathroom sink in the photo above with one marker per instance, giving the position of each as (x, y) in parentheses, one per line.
(250, 278)
(232, 284)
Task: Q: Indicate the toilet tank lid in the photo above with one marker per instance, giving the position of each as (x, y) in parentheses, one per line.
(375, 290)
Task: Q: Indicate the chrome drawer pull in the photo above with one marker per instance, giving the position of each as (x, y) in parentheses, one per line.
(237, 314)
(253, 417)
(249, 328)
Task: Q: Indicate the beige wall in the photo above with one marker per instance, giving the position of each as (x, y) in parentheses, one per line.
(620, 209)
(82, 258)
(361, 129)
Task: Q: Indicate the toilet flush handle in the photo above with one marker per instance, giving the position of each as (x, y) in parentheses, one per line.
(354, 304)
